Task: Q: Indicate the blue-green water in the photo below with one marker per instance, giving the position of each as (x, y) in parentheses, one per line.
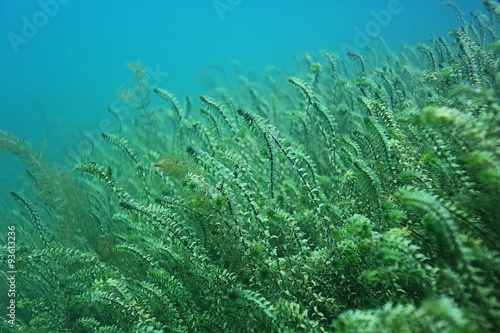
(59, 77)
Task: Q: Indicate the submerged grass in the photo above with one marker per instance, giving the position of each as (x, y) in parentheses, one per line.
(331, 201)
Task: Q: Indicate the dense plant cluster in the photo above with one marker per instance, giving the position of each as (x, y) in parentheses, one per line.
(360, 195)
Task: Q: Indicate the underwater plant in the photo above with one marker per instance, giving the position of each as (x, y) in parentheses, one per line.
(360, 195)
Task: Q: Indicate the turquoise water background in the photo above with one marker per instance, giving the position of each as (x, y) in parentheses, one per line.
(63, 61)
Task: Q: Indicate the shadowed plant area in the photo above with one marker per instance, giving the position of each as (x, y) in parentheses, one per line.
(360, 194)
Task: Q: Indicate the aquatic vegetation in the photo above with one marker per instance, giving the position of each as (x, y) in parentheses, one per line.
(360, 195)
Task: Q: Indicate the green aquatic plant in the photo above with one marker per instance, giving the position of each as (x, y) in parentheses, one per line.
(137, 96)
(337, 199)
